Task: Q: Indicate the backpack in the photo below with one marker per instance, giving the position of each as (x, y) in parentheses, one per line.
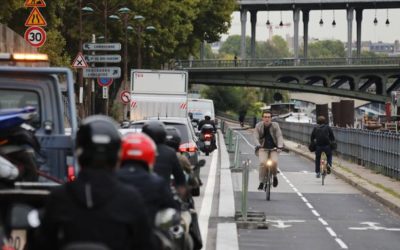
(322, 135)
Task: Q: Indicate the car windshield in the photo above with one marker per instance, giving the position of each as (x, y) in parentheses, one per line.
(11, 99)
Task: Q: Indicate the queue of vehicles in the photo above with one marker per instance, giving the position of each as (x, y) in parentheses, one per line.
(37, 90)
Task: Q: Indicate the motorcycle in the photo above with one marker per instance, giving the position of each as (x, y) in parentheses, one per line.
(207, 136)
(18, 144)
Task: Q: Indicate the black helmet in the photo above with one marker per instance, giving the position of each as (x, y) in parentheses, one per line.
(98, 142)
(173, 137)
(156, 130)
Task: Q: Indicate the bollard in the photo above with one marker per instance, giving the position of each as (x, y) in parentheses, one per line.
(222, 126)
(230, 134)
(237, 153)
(245, 187)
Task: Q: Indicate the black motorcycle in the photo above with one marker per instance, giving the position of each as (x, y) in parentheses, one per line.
(207, 137)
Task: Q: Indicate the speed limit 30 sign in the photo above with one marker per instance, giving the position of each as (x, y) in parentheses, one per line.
(35, 36)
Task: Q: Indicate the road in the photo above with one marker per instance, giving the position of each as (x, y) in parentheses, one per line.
(302, 214)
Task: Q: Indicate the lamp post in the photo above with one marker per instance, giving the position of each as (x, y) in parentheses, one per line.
(104, 11)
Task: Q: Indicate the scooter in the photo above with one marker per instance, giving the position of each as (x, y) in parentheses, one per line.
(207, 136)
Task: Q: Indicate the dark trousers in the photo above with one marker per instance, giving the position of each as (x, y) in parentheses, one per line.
(318, 152)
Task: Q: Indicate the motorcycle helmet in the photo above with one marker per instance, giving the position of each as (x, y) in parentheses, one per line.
(98, 142)
(139, 147)
(173, 137)
(207, 115)
(156, 130)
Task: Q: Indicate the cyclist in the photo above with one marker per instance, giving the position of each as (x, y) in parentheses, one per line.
(138, 158)
(267, 135)
(96, 207)
(167, 163)
(323, 136)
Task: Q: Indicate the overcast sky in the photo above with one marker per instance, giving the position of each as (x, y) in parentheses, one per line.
(370, 32)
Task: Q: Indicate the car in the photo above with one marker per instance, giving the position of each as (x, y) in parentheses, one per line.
(189, 140)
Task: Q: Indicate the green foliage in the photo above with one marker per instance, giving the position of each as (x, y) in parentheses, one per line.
(326, 49)
(54, 48)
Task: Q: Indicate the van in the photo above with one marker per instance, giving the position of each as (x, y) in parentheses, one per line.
(199, 107)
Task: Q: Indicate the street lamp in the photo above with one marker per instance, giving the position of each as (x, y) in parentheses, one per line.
(105, 10)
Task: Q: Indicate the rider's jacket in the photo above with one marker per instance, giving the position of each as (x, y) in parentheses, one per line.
(274, 130)
(167, 163)
(153, 188)
(96, 207)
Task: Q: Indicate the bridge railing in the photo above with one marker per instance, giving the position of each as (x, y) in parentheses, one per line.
(379, 151)
(286, 62)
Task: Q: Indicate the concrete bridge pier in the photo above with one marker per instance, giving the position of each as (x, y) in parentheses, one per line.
(243, 19)
(253, 21)
(359, 21)
(296, 19)
(350, 17)
(306, 18)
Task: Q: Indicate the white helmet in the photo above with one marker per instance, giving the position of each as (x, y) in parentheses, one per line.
(208, 113)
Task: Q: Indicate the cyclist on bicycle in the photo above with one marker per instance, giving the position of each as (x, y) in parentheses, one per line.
(268, 135)
(323, 137)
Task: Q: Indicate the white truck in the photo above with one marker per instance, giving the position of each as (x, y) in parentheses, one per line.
(162, 93)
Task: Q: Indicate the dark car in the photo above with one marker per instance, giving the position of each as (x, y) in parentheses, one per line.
(189, 139)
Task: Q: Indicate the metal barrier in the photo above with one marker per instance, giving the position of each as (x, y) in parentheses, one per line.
(379, 151)
(245, 187)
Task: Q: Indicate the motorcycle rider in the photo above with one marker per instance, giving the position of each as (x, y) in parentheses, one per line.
(174, 140)
(207, 120)
(96, 207)
(167, 162)
(138, 158)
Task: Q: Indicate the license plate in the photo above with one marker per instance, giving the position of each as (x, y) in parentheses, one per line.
(207, 143)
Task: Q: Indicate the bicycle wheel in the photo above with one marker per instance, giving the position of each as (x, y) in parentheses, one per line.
(267, 186)
(323, 174)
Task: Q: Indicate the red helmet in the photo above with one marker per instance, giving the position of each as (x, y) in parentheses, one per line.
(139, 147)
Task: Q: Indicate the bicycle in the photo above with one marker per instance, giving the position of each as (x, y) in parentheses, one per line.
(323, 167)
(271, 170)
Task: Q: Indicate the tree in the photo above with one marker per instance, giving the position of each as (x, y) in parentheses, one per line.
(326, 49)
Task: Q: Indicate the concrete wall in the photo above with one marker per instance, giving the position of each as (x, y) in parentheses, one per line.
(12, 42)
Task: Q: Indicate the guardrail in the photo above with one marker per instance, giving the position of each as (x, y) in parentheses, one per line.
(286, 62)
(379, 151)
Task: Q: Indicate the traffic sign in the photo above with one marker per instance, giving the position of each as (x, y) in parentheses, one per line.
(35, 36)
(79, 61)
(125, 97)
(102, 46)
(105, 92)
(104, 82)
(103, 58)
(35, 18)
(35, 3)
(109, 72)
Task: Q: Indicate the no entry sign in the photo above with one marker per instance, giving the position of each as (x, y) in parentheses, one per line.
(125, 97)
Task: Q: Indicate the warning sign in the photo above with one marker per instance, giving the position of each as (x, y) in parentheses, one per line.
(35, 18)
(35, 3)
(79, 61)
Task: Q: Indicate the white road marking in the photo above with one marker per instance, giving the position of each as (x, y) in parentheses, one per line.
(315, 212)
(373, 226)
(331, 232)
(309, 205)
(323, 222)
(206, 204)
(281, 223)
(341, 243)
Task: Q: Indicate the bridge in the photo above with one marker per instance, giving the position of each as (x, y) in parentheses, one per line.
(370, 79)
(305, 6)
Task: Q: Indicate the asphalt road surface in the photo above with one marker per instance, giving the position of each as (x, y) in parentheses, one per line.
(303, 214)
